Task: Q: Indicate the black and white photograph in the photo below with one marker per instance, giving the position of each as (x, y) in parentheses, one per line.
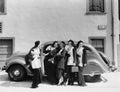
(60, 45)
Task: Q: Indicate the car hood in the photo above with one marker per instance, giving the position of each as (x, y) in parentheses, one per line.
(16, 54)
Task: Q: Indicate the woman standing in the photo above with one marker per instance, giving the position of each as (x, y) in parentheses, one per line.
(36, 64)
(70, 62)
(61, 60)
(81, 62)
(50, 67)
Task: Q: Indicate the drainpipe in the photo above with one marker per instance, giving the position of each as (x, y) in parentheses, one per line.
(114, 62)
(112, 35)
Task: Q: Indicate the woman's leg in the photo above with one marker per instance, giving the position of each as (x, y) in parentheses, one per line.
(35, 78)
(69, 75)
(81, 80)
(60, 77)
(40, 75)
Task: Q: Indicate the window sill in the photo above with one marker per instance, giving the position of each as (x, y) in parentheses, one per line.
(3, 13)
(95, 13)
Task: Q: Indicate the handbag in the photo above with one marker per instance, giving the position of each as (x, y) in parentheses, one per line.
(74, 69)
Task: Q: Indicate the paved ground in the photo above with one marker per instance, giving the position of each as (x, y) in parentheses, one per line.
(110, 83)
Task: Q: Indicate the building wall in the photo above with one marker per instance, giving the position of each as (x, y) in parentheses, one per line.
(45, 20)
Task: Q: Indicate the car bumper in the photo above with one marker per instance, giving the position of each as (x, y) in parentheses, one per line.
(4, 68)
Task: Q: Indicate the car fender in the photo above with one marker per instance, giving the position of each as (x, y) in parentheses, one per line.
(18, 61)
(94, 67)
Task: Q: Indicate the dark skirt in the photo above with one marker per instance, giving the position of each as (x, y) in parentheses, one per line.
(60, 62)
(50, 70)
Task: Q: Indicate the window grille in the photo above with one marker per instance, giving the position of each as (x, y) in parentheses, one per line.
(96, 6)
(98, 44)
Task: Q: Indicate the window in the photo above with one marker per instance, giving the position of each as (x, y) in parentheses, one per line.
(0, 27)
(96, 6)
(6, 48)
(2, 6)
(98, 44)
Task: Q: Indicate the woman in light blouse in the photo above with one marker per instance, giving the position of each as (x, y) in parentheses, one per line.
(70, 61)
(36, 64)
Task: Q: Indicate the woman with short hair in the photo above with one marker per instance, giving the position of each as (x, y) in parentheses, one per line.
(81, 62)
(36, 64)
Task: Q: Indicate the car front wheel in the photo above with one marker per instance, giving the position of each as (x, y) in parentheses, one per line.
(16, 73)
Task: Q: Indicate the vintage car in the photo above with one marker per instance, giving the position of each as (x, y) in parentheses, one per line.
(97, 63)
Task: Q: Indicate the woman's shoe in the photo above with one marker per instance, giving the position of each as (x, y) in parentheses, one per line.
(83, 85)
(34, 86)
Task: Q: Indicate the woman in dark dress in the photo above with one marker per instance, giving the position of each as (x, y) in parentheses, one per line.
(50, 68)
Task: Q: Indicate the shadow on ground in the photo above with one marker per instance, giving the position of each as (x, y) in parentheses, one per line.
(6, 82)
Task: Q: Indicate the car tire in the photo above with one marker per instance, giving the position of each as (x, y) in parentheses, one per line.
(16, 73)
(94, 78)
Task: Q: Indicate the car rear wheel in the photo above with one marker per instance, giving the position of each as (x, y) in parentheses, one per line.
(16, 73)
(94, 78)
